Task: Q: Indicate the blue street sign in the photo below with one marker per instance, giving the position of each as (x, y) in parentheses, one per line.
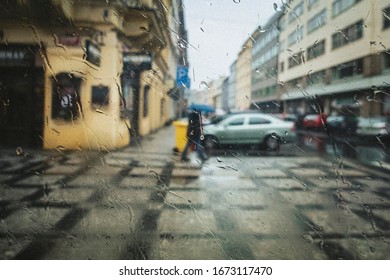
(182, 78)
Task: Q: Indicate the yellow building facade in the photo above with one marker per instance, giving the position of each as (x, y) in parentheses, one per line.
(244, 76)
(64, 77)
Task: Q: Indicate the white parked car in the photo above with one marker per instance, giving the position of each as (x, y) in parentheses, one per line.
(373, 126)
(249, 128)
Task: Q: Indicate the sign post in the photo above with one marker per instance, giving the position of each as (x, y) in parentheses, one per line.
(183, 83)
(182, 79)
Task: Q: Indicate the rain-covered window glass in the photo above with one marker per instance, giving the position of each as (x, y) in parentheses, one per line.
(66, 103)
(347, 35)
(316, 50)
(317, 21)
(340, 6)
(290, 160)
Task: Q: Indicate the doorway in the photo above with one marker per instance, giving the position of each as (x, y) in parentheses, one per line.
(21, 108)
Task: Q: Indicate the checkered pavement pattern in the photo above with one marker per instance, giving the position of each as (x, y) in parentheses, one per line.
(130, 204)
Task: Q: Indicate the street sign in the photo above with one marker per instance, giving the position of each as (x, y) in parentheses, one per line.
(140, 61)
(182, 78)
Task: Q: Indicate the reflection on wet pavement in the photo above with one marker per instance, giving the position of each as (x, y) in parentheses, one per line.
(373, 151)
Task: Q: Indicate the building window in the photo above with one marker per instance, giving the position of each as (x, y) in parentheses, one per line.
(282, 45)
(281, 66)
(294, 84)
(295, 36)
(347, 70)
(146, 101)
(272, 90)
(386, 18)
(347, 35)
(162, 108)
(296, 12)
(341, 6)
(296, 59)
(282, 23)
(316, 50)
(317, 21)
(311, 3)
(386, 60)
(66, 103)
(317, 77)
(100, 96)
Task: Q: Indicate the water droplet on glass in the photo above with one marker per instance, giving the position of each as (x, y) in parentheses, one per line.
(261, 30)
(308, 238)
(206, 84)
(19, 151)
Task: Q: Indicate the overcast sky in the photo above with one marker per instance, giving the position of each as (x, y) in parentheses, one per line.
(217, 30)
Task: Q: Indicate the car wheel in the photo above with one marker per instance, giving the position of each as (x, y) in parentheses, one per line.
(210, 142)
(272, 142)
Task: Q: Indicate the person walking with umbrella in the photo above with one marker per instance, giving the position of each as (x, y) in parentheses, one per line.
(194, 136)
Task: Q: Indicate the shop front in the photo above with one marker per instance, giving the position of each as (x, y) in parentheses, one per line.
(83, 97)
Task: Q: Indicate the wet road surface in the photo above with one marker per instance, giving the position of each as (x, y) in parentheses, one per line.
(139, 203)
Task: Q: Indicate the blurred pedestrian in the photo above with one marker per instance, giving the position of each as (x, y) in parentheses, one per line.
(194, 136)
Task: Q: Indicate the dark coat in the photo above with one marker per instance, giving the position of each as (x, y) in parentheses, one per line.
(194, 129)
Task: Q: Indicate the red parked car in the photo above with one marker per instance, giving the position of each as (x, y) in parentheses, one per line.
(314, 121)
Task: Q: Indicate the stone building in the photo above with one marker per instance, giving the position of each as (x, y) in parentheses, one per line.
(88, 74)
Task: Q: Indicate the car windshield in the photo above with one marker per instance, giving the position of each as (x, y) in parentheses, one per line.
(111, 148)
